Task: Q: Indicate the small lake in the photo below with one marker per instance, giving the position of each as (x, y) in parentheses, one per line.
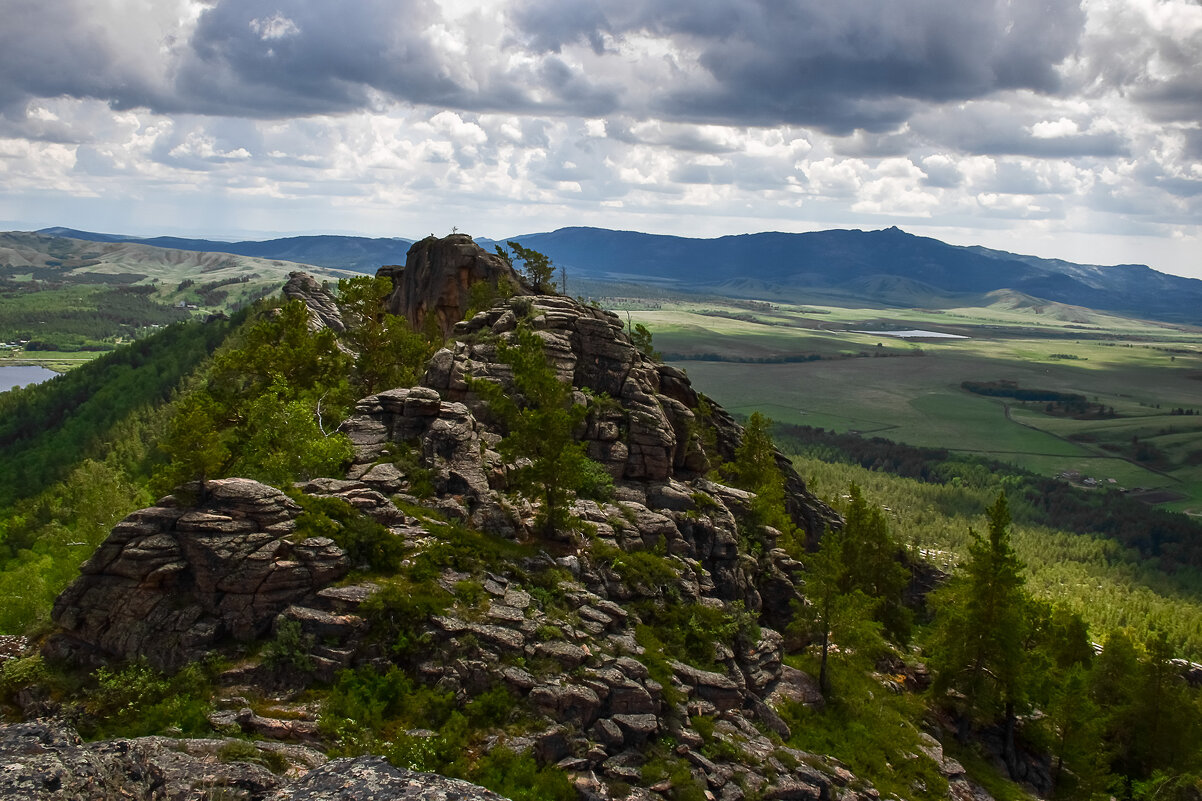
(21, 375)
(914, 333)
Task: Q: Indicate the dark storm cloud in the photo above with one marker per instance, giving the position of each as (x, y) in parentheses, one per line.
(1154, 55)
(261, 59)
(834, 66)
(271, 59)
(51, 49)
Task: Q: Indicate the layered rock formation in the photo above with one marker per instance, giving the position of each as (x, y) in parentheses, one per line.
(173, 582)
(323, 309)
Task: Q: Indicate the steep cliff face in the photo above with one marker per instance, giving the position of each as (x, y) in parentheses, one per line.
(564, 624)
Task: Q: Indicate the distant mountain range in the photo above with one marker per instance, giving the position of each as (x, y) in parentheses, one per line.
(889, 267)
(358, 253)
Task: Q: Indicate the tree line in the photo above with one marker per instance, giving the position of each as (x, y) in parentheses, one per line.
(1174, 539)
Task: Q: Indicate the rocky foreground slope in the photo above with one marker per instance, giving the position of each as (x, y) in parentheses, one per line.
(557, 620)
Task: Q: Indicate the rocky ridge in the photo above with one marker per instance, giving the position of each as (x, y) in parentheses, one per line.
(174, 582)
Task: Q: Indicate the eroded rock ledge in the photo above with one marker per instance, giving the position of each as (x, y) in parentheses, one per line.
(173, 581)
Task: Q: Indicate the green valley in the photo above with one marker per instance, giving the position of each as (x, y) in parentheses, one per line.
(819, 366)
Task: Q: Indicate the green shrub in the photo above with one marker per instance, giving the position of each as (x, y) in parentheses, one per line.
(138, 700)
(548, 632)
(518, 777)
(399, 610)
(645, 569)
(408, 460)
(655, 659)
(17, 674)
(594, 482)
(370, 700)
(242, 751)
(289, 649)
(461, 548)
(470, 592)
(491, 707)
(364, 541)
(704, 726)
(689, 631)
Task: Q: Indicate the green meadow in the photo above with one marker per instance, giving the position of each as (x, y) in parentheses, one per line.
(816, 365)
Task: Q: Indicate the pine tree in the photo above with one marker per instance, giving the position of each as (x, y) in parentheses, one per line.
(755, 469)
(388, 352)
(835, 613)
(541, 418)
(196, 442)
(873, 564)
(981, 628)
(537, 267)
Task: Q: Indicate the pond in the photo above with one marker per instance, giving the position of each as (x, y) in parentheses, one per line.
(20, 375)
(914, 333)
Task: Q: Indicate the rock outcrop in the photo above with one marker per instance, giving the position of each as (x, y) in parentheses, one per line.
(48, 762)
(435, 279)
(643, 427)
(323, 309)
(173, 581)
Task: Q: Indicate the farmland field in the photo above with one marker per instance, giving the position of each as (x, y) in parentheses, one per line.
(818, 366)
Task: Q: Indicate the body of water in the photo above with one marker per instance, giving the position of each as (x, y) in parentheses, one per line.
(914, 333)
(20, 375)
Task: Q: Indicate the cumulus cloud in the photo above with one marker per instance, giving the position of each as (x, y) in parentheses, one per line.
(1150, 49)
(1003, 112)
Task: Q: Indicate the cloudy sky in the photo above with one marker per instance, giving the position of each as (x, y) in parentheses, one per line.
(1053, 127)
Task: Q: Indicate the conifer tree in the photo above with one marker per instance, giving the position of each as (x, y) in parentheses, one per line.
(755, 469)
(874, 567)
(836, 613)
(278, 391)
(981, 628)
(541, 418)
(537, 267)
(388, 352)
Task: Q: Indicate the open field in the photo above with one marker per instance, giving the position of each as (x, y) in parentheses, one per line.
(750, 356)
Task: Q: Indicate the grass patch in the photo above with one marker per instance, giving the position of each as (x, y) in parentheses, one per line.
(242, 751)
(875, 732)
